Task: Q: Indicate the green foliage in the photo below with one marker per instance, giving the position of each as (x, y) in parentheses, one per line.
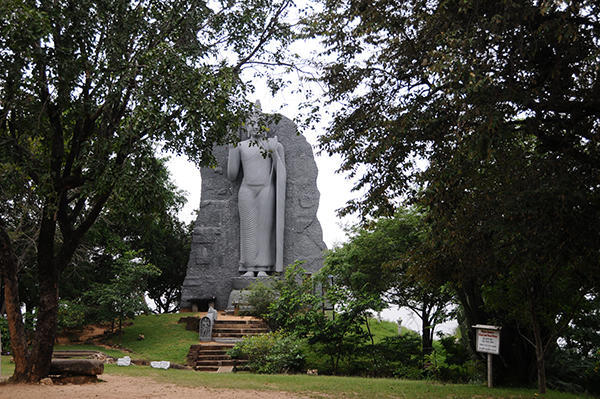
(378, 262)
(4, 335)
(270, 353)
(72, 314)
(297, 307)
(260, 298)
(575, 364)
(452, 93)
(89, 91)
(498, 101)
(123, 296)
(401, 356)
(452, 361)
(569, 371)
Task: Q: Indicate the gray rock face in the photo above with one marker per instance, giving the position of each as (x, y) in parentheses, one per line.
(215, 253)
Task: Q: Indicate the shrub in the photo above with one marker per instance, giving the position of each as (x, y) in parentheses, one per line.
(455, 373)
(452, 361)
(270, 353)
(401, 356)
(456, 351)
(572, 371)
(71, 315)
(4, 334)
(260, 297)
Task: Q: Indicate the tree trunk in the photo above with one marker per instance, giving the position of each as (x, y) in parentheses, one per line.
(46, 325)
(373, 354)
(427, 336)
(16, 328)
(539, 351)
(47, 273)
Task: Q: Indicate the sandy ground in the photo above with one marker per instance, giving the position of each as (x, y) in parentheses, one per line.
(120, 387)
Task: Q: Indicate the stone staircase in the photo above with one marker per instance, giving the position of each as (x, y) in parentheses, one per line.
(212, 356)
(232, 328)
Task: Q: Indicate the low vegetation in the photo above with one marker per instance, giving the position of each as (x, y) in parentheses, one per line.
(163, 339)
(320, 386)
(331, 386)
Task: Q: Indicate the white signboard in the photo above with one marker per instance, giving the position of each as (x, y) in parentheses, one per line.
(488, 340)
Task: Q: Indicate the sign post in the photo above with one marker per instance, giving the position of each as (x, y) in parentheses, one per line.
(488, 341)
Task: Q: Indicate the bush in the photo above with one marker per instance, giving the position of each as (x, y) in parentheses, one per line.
(401, 356)
(455, 373)
(270, 353)
(260, 297)
(452, 361)
(398, 356)
(572, 371)
(71, 315)
(456, 351)
(4, 334)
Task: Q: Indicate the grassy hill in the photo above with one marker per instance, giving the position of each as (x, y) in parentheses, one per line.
(167, 340)
(164, 339)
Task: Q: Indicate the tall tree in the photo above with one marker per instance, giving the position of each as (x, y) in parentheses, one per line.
(87, 88)
(501, 100)
(140, 216)
(377, 263)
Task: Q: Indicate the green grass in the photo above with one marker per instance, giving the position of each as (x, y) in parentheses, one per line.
(164, 339)
(7, 367)
(322, 386)
(167, 340)
(382, 329)
(331, 387)
(110, 352)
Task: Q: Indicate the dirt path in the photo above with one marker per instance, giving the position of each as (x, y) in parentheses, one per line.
(120, 387)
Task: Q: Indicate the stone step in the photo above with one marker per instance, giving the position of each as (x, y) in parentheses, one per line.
(233, 335)
(209, 354)
(208, 350)
(227, 339)
(244, 328)
(206, 368)
(239, 321)
(213, 363)
(212, 357)
(240, 330)
(222, 347)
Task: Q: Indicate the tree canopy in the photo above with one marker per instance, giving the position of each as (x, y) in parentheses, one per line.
(423, 78)
(378, 262)
(487, 115)
(89, 88)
